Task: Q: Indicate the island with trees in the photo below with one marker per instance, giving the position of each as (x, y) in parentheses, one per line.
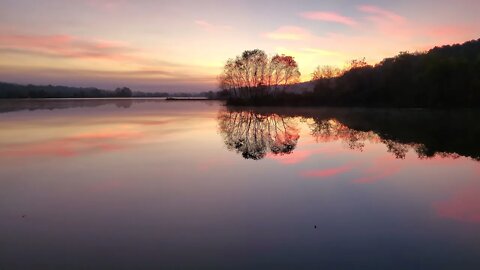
(18, 91)
(447, 76)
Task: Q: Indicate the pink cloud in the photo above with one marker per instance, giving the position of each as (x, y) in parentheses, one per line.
(289, 33)
(68, 46)
(328, 17)
(326, 172)
(380, 12)
(389, 22)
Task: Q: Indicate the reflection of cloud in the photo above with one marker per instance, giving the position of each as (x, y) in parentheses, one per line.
(326, 172)
(381, 168)
(299, 156)
(294, 158)
(207, 164)
(329, 17)
(83, 143)
(462, 206)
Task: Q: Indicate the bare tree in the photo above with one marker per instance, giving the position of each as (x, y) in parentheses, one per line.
(357, 63)
(326, 72)
(253, 73)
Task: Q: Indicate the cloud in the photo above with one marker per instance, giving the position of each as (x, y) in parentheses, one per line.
(377, 12)
(209, 27)
(320, 52)
(405, 34)
(146, 80)
(329, 17)
(289, 33)
(116, 63)
(388, 22)
(68, 46)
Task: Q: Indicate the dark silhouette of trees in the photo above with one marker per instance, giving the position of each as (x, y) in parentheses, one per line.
(10, 90)
(254, 135)
(426, 133)
(325, 72)
(443, 77)
(123, 92)
(254, 74)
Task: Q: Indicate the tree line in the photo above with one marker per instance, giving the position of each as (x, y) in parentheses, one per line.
(18, 91)
(10, 90)
(447, 76)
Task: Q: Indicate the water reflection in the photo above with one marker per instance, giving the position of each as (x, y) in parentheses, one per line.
(105, 140)
(155, 178)
(58, 104)
(429, 134)
(253, 134)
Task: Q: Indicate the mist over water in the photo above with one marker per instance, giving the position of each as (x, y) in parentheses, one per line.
(155, 184)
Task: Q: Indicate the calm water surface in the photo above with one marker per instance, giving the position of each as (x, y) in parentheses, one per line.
(152, 184)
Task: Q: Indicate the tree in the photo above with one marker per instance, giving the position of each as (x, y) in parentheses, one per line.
(325, 72)
(253, 74)
(357, 63)
(283, 71)
(123, 92)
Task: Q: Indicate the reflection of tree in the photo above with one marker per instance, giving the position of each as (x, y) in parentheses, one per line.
(60, 104)
(254, 134)
(426, 134)
(332, 130)
(400, 150)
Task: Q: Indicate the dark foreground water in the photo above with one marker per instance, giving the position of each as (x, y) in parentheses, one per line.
(137, 184)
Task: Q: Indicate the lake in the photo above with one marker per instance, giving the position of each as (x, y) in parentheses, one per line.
(156, 184)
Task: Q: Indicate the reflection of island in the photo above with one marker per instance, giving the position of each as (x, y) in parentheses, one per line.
(58, 104)
(428, 133)
(254, 135)
(333, 130)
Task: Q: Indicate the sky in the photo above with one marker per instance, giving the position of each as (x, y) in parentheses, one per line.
(181, 46)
